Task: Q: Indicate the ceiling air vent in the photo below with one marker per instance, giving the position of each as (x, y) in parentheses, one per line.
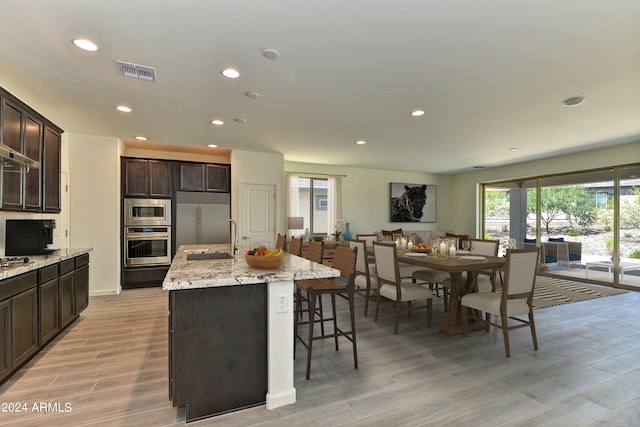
(137, 71)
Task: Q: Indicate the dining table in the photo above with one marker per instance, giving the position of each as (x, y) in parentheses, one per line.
(455, 266)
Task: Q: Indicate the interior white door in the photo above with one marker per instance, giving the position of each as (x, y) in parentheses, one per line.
(258, 215)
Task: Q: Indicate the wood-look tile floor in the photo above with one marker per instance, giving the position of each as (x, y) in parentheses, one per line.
(110, 368)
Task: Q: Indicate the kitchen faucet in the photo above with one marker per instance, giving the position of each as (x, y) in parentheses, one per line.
(236, 250)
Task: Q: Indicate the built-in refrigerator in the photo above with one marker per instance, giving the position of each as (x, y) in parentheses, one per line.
(202, 218)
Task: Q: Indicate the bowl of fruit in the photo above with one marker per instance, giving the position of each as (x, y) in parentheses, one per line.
(263, 257)
(422, 247)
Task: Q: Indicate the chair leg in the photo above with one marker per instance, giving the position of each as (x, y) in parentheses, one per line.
(377, 307)
(505, 334)
(533, 330)
(312, 314)
(335, 321)
(429, 311)
(487, 319)
(298, 311)
(398, 304)
(367, 295)
(321, 314)
(353, 329)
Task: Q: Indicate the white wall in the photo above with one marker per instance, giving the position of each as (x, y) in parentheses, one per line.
(366, 196)
(258, 168)
(465, 189)
(94, 207)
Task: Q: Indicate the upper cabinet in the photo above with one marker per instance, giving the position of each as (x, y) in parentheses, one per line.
(146, 178)
(28, 133)
(204, 177)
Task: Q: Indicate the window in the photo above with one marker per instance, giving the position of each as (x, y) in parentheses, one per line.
(316, 199)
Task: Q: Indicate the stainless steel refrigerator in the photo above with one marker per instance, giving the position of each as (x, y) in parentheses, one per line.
(202, 218)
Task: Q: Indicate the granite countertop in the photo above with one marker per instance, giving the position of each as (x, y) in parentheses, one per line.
(39, 261)
(185, 274)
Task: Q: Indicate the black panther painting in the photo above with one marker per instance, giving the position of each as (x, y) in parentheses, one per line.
(408, 206)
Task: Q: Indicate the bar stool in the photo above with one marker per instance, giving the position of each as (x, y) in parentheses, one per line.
(344, 260)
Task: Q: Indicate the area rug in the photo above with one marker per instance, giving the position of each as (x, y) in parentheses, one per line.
(550, 291)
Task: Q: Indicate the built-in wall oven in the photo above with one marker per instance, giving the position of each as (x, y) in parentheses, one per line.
(147, 232)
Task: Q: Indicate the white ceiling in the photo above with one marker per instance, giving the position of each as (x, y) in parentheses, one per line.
(491, 75)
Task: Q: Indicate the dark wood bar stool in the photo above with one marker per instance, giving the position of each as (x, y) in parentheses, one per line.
(344, 260)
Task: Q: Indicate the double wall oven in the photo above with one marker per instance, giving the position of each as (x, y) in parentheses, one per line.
(147, 232)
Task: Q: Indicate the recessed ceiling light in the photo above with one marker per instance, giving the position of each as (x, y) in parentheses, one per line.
(141, 138)
(217, 122)
(270, 53)
(123, 108)
(213, 145)
(513, 149)
(230, 73)
(252, 95)
(573, 102)
(85, 44)
(417, 113)
(361, 142)
(240, 120)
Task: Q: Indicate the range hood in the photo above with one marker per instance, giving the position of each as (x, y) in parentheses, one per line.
(10, 157)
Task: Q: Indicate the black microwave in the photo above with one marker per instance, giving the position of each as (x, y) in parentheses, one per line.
(29, 236)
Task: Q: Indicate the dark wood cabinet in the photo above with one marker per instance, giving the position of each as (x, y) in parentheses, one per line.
(36, 306)
(204, 177)
(5, 338)
(51, 170)
(218, 178)
(192, 177)
(24, 325)
(218, 349)
(48, 303)
(33, 134)
(146, 178)
(81, 283)
(28, 133)
(12, 127)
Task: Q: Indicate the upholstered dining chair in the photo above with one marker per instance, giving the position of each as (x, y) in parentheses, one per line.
(366, 282)
(344, 260)
(515, 299)
(486, 278)
(392, 287)
(281, 242)
(368, 238)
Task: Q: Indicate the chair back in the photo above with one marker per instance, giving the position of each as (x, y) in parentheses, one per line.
(344, 259)
(368, 238)
(386, 262)
(520, 273)
(314, 251)
(485, 247)
(361, 259)
(295, 246)
(281, 242)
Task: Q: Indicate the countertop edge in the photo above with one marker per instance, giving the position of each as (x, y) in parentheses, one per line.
(39, 261)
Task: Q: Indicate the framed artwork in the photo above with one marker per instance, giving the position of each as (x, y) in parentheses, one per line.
(413, 202)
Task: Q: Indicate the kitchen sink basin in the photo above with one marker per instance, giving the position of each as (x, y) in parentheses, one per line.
(193, 256)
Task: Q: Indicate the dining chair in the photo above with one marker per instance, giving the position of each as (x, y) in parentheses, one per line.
(515, 299)
(486, 280)
(344, 260)
(366, 282)
(295, 246)
(392, 287)
(314, 253)
(368, 238)
(281, 242)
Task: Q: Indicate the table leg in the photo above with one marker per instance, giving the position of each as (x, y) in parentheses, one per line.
(453, 325)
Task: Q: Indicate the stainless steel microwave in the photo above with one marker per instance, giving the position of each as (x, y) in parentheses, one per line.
(147, 212)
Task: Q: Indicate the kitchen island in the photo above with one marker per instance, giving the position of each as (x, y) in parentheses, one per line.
(231, 331)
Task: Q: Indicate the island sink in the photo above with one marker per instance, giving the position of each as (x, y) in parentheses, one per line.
(208, 255)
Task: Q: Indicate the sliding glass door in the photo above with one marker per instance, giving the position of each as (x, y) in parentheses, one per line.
(586, 224)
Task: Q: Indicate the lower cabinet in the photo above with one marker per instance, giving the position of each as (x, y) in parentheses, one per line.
(36, 306)
(218, 349)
